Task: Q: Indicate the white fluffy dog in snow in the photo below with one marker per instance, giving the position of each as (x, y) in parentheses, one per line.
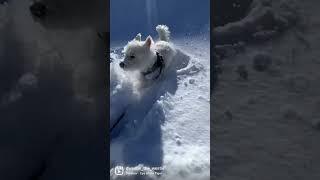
(151, 59)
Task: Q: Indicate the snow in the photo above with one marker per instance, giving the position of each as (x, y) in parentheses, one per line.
(266, 126)
(166, 125)
(265, 19)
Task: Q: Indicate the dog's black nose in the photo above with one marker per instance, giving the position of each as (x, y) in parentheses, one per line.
(121, 65)
(38, 9)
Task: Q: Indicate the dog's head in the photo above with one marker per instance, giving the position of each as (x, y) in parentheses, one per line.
(69, 13)
(138, 54)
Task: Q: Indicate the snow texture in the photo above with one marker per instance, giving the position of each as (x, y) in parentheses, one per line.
(265, 19)
(267, 125)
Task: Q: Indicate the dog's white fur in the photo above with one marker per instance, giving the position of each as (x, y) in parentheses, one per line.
(141, 55)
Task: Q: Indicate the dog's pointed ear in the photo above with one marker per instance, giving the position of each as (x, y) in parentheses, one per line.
(138, 37)
(148, 41)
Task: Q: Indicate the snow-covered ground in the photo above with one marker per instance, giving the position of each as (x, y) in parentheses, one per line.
(267, 126)
(167, 124)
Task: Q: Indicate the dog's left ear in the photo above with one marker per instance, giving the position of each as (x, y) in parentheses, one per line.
(148, 41)
(138, 37)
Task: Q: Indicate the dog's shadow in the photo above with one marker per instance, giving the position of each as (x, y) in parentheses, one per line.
(139, 140)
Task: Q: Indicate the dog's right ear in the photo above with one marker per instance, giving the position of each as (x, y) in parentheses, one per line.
(138, 37)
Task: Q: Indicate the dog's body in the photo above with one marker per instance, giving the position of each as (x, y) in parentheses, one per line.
(145, 56)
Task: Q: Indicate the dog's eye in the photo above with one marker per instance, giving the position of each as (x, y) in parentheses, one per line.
(132, 57)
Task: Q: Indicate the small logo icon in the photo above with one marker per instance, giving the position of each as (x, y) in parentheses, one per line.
(119, 170)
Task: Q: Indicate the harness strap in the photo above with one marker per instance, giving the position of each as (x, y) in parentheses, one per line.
(158, 64)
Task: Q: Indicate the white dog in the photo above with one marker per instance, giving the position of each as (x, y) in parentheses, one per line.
(151, 59)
